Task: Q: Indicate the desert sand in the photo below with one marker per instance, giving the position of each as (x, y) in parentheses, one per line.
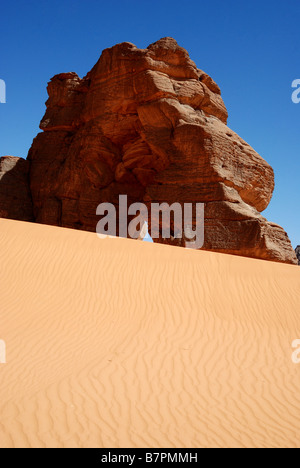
(120, 343)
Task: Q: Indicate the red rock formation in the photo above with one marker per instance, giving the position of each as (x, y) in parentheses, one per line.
(149, 124)
(297, 252)
(15, 198)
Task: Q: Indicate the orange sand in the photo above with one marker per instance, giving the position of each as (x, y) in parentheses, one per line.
(120, 343)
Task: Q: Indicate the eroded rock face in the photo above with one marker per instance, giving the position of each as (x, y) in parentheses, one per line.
(148, 123)
(297, 250)
(15, 198)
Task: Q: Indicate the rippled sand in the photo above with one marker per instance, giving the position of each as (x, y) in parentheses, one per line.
(119, 343)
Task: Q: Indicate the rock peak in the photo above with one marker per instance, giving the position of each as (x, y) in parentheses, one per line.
(164, 42)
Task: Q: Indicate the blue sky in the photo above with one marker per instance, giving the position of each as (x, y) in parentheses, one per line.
(251, 49)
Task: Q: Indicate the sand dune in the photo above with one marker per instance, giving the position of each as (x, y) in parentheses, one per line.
(118, 343)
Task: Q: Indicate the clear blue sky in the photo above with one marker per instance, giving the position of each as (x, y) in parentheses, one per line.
(251, 49)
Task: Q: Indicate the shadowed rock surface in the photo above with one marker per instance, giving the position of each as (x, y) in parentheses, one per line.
(15, 198)
(148, 123)
(297, 250)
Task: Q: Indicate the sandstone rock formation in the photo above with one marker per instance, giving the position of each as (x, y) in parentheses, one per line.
(15, 198)
(148, 123)
(297, 250)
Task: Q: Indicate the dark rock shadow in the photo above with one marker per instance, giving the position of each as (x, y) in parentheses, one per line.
(15, 197)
